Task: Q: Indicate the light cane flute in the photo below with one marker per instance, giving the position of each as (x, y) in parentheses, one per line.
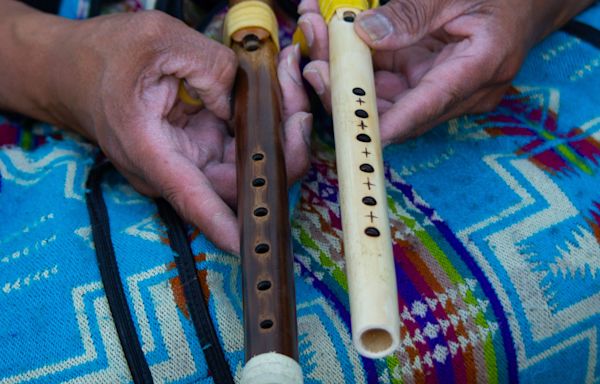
(270, 331)
(363, 199)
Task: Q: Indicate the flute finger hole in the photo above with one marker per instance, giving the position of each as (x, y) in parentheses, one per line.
(258, 156)
(361, 113)
(368, 168)
(263, 285)
(251, 42)
(266, 324)
(368, 200)
(363, 137)
(261, 211)
(262, 248)
(372, 232)
(258, 182)
(349, 16)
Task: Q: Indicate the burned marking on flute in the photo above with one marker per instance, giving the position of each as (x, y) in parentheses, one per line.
(366, 152)
(362, 125)
(369, 184)
(371, 216)
(360, 101)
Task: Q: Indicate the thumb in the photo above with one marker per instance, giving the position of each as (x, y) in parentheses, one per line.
(397, 24)
(208, 67)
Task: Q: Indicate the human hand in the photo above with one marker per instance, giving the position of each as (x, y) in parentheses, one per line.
(438, 59)
(116, 82)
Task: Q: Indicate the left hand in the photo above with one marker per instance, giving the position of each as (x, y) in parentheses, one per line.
(438, 59)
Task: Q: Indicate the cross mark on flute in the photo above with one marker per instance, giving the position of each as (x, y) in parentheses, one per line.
(360, 101)
(366, 152)
(362, 125)
(369, 184)
(371, 216)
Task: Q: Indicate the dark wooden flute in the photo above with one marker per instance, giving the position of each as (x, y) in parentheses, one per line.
(270, 331)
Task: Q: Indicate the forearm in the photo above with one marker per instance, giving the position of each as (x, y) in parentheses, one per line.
(28, 39)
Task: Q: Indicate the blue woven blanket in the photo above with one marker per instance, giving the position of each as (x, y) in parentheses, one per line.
(496, 231)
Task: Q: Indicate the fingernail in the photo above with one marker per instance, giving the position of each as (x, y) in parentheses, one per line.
(317, 81)
(307, 29)
(303, 7)
(377, 26)
(292, 67)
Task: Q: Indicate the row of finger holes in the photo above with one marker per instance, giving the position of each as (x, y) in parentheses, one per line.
(262, 248)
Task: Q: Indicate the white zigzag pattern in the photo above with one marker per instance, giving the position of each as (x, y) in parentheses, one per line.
(180, 362)
(505, 244)
(579, 257)
(19, 166)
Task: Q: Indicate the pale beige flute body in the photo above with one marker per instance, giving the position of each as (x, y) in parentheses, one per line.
(363, 199)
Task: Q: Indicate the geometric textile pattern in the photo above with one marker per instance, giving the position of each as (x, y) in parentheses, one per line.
(495, 230)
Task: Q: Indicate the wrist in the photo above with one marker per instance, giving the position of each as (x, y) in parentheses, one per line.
(30, 37)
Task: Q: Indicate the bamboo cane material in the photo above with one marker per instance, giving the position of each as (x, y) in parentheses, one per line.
(363, 199)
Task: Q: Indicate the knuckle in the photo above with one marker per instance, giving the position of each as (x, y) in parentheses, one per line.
(410, 16)
(173, 194)
(152, 23)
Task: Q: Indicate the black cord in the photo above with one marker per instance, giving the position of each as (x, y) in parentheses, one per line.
(583, 31)
(194, 297)
(111, 279)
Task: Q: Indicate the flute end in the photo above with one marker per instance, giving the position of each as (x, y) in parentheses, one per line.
(272, 368)
(376, 343)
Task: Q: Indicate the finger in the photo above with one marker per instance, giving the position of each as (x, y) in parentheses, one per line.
(383, 106)
(413, 62)
(482, 101)
(204, 138)
(136, 182)
(401, 23)
(389, 85)
(208, 67)
(297, 145)
(441, 89)
(192, 195)
(306, 6)
(290, 81)
(222, 176)
(317, 75)
(488, 100)
(315, 33)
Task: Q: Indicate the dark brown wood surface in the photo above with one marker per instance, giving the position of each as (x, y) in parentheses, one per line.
(267, 261)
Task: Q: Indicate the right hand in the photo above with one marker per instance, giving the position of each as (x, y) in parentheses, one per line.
(116, 79)
(437, 59)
